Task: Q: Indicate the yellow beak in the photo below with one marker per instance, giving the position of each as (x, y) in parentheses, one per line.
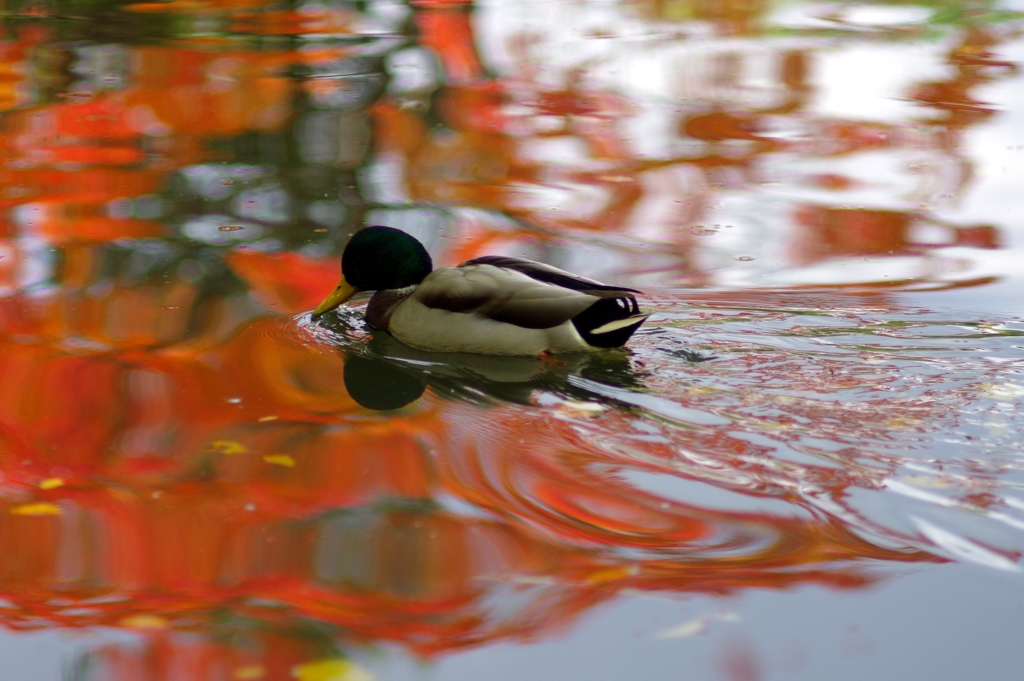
(338, 296)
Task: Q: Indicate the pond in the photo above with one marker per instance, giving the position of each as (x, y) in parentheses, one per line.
(807, 464)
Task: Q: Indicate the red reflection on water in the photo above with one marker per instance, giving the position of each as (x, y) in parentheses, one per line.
(176, 462)
(176, 503)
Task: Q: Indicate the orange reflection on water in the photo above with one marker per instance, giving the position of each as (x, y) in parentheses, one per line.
(176, 502)
(183, 459)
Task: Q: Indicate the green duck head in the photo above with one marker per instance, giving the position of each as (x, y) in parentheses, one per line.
(378, 259)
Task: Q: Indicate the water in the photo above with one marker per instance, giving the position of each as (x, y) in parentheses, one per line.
(806, 465)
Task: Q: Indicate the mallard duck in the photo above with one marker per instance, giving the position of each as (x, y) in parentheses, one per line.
(491, 305)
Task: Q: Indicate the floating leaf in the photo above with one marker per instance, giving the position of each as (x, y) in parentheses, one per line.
(280, 460)
(611, 574)
(228, 447)
(330, 670)
(250, 671)
(264, 419)
(230, 228)
(40, 508)
(580, 408)
(901, 423)
(144, 622)
(698, 626)
(687, 629)
(51, 483)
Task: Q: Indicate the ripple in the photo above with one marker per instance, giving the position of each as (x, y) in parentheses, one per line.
(834, 413)
(302, 330)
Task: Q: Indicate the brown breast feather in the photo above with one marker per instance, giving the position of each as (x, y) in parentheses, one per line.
(382, 306)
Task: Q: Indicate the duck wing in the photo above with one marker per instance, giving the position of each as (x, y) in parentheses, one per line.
(607, 322)
(547, 274)
(510, 295)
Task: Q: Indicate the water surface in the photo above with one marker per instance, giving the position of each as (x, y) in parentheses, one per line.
(806, 465)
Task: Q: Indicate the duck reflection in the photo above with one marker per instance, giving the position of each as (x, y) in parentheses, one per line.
(228, 526)
(384, 374)
(377, 384)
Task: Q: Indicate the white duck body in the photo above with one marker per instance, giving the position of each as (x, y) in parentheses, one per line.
(505, 306)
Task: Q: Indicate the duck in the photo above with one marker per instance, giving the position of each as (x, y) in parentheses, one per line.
(491, 305)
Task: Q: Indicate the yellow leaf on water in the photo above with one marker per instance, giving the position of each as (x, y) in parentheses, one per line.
(611, 574)
(228, 447)
(330, 670)
(40, 508)
(51, 483)
(280, 460)
(264, 419)
(144, 622)
(901, 423)
(249, 671)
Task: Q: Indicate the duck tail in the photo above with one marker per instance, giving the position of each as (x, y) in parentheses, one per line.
(610, 322)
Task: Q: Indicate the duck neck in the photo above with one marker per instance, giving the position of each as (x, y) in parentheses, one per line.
(382, 305)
